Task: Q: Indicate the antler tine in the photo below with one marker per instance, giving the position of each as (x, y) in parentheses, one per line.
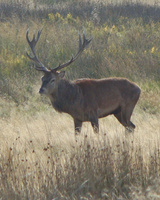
(32, 43)
(82, 46)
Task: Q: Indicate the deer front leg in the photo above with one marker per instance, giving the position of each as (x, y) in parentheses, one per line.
(77, 126)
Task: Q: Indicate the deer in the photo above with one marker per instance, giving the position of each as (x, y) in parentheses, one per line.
(86, 100)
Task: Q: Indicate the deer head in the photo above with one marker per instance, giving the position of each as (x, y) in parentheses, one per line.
(52, 76)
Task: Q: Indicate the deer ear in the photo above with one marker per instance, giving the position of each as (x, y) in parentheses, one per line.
(61, 74)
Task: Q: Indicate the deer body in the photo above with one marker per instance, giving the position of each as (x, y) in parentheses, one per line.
(87, 99)
(90, 99)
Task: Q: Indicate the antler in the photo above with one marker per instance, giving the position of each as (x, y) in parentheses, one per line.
(40, 66)
(32, 44)
(82, 46)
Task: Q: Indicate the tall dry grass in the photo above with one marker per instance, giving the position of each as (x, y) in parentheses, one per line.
(40, 159)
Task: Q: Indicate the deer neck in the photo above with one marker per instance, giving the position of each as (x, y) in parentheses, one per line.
(65, 96)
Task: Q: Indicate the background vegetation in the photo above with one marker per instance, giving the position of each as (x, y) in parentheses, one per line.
(35, 161)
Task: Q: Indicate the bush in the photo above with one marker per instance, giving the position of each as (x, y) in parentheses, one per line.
(122, 45)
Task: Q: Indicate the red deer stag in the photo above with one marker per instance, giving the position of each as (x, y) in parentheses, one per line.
(86, 99)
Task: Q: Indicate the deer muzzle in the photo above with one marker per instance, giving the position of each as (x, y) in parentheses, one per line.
(41, 90)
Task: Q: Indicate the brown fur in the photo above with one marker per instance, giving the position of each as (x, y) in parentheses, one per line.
(90, 99)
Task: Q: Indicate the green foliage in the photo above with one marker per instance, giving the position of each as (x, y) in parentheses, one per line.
(150, 97)
(126, 46)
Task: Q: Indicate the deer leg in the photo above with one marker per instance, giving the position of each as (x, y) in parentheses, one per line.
(128, 112)
(130, 125)
(77, 126)
(124, 119)
(119, 118)
(95, 124)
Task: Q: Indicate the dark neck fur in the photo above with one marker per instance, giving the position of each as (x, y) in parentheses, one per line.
(66, 95)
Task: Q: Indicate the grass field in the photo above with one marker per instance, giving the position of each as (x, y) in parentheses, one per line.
(39, 156)
(41, 160)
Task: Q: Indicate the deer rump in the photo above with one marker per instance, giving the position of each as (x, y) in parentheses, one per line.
(103, 97)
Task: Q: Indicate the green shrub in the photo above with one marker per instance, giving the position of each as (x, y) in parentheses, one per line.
(126, 47)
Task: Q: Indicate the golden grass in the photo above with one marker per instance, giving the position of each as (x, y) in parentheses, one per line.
(41, 160)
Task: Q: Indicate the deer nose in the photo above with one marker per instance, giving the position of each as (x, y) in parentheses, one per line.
(41, 90)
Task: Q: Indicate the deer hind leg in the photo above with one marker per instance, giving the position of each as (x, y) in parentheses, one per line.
(130, 126)
(124, 118)
(95, 124)
(77, 126)
(120, 118)
(129, 110)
